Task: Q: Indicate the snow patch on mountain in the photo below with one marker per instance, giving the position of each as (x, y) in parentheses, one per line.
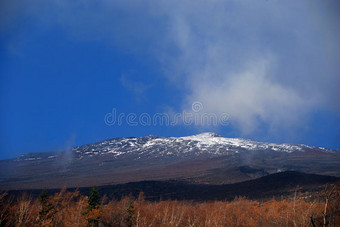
(208, 144)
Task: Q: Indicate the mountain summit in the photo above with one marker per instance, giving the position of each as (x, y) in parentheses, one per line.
(206, 157)
(208, 134)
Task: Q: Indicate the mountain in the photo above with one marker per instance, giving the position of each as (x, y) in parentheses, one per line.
(204, 158)
(273, 185)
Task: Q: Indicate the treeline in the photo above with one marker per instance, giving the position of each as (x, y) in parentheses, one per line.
(73, 209)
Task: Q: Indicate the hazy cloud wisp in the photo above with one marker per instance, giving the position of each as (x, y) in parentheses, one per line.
(269, 62)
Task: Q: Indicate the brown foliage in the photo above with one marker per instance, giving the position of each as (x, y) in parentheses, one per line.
(70, 209)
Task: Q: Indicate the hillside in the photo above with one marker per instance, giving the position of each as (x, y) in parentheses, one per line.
(274, 185)
(205, 158)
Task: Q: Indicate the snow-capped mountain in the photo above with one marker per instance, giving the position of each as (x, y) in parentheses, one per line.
(204, 144)
(206, 157)
(210, 144)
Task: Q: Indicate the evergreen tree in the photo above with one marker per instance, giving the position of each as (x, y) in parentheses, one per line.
(46, 207)
(130, 215)
(94, 198)
(93, 208)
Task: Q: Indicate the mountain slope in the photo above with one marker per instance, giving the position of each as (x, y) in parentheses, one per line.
(206, 158)
(267, 187)
(278, 184)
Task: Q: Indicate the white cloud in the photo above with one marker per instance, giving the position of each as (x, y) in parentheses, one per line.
(260, 61)
(250, 96)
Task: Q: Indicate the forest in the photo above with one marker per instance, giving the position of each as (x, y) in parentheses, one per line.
(71, 208)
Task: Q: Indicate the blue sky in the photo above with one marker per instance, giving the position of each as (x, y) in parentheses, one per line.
(271, 66)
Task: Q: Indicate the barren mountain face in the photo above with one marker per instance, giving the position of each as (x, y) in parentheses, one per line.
(203, 158)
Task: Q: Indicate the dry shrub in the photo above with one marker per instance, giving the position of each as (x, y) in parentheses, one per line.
(5, 206)
(71, 209)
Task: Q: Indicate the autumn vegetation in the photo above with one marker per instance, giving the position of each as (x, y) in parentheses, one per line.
(67, 208)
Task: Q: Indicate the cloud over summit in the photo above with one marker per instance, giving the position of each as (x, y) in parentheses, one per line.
(271, 62)
(264, 62)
